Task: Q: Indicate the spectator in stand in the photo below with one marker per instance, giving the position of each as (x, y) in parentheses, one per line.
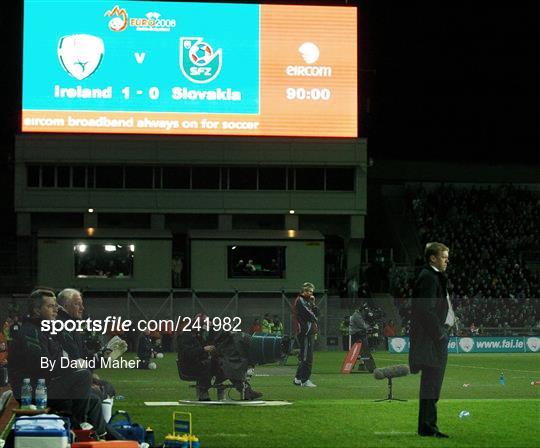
(146, 350)
(255, 327)
(3, 360)
(155, 336)
(352, 289)
(240, 266)
(11, 327)
(176, 266)
(267, 324)
(389, 331)
(167, 337)
(277, 326)
(497, 224)
(250, 267)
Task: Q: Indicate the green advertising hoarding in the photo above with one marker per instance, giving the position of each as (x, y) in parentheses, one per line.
(504, 344)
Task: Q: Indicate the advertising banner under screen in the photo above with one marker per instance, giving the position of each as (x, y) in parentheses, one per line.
(131, 67)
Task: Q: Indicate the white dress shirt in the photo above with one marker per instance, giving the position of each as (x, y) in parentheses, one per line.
(450, 316)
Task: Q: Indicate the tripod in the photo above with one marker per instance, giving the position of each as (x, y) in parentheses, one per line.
(390, 395)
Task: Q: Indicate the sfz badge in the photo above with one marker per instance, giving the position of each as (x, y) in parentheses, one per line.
(198, 61)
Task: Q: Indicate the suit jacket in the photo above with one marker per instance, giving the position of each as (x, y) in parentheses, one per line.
(72, 341)
(26, 351)
(304, 313)
(428, 334)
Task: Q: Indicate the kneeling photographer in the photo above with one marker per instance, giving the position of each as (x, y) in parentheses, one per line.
(205, 354)
(360, 330)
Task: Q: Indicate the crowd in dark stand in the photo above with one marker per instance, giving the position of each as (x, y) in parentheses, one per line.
(488, 230)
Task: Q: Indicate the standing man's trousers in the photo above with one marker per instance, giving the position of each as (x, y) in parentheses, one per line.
(303, 373)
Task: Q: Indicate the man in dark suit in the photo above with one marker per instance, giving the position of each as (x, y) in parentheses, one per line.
(432, 318)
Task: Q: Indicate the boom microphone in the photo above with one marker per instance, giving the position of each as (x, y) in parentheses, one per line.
(391, 372)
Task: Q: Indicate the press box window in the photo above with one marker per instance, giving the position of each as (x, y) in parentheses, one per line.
(62, 176)
(32, 176)
(47, 176)
(205, 178)
(109, 260)
(139, 176)
(243, 178)
(109, 177)
(256, 261)
(272, 178)
(309, 179)
(79, 176)
(176, 177)
(340, 179)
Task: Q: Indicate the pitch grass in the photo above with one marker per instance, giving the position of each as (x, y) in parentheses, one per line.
(341, 411)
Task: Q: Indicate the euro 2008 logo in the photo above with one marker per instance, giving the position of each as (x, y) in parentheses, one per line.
(119, 19)
(199, 62)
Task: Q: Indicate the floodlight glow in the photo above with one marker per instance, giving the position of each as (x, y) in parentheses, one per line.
(110, 248)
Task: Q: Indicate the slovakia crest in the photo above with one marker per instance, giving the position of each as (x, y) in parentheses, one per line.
(198, 61)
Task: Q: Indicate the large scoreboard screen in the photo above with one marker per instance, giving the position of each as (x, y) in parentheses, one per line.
(133, 67)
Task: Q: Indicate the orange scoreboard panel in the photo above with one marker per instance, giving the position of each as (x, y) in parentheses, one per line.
(309, 71)
(190, 69)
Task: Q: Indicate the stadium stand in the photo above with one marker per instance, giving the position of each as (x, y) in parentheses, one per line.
(488, 230)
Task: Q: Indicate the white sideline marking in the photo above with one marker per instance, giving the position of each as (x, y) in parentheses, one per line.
(474, 367)
(222, 434)
(235, 403)
(161, 403)
(495, 368)
(218, 403)
(394, 433)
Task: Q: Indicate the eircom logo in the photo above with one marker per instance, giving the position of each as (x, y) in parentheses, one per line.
(198, 61)
(310, 53)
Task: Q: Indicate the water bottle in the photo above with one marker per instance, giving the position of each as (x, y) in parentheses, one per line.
(149, 437)
(41, 394)
(195, 442)
(26, 394)
(502, 381)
